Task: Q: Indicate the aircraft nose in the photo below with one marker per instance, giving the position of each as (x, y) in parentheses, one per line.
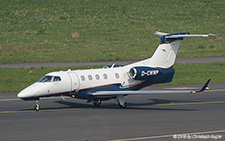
(19, 95)
(26, 93)
(30, 91)
(22, 94)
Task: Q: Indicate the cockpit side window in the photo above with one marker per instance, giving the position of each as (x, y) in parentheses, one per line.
(46, 78)
(56, 79)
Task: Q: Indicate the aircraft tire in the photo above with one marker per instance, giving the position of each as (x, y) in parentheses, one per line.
(37, 107)
(97, 103)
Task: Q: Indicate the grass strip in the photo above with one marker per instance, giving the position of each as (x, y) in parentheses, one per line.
(95, 30)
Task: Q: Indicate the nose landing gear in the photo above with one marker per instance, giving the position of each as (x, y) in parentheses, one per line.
(37, 105)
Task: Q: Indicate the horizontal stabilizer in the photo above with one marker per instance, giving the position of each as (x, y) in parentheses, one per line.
(182, 36)
(168, 37)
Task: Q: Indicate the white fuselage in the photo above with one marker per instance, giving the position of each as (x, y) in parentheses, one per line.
(74, 81)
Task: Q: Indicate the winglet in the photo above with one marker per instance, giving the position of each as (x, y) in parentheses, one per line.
(205, 86)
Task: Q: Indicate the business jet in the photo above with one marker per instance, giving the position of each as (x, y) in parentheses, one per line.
(114, 81)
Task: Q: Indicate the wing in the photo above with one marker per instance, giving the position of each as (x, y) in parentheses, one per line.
(118, 93)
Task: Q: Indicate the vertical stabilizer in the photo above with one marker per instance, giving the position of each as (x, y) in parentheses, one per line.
(165, 55)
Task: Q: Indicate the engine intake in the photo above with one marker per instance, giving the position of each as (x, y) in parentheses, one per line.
(142, 73)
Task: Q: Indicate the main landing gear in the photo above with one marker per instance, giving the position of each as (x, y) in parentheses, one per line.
(121, 101)
(37, 105)
(97, 103)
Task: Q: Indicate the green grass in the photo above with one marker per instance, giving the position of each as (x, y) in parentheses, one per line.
(196, 73)
(93, 30)
(16, 79)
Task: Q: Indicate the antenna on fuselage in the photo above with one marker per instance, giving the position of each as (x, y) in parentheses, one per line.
(113, 65)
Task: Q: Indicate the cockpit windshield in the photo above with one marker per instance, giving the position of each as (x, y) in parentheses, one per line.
(46, 79)
(49, 78)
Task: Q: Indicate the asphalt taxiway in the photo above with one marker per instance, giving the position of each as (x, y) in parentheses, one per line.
(147, 117)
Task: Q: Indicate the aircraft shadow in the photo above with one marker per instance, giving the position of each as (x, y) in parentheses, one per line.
(131, 106)
(153, 104)
(68, 105)
(73, 104)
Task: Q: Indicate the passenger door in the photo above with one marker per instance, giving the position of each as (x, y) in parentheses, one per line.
(75, 82)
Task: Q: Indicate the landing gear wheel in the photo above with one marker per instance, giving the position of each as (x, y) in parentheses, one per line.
(97, 103)
(37, 107)
(124, 105)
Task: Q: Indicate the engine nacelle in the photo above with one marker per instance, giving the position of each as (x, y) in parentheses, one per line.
(142, 73)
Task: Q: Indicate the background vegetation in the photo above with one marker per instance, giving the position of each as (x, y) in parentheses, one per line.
(185, 74)
(93, 30)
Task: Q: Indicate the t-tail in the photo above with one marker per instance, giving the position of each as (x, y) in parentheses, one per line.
(165, 54)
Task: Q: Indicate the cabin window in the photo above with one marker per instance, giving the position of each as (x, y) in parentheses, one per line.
(105, 76)
(46, 78)
(117, 75)
(56, 79)
(82, 78)
(89, 77)
(97, 76)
